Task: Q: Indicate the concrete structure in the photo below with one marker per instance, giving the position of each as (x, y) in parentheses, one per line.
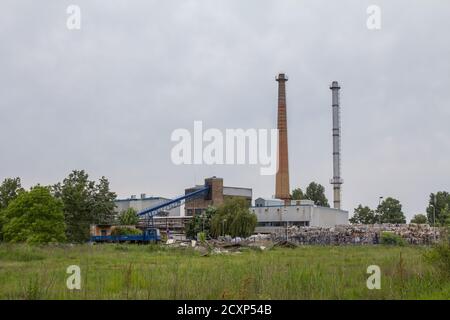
(216, 196)
(336, 181)
(268, 202)
(144, 202)
(282, 178)
(274, 218)
(175, 226)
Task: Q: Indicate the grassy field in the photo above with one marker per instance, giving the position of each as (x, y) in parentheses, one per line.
(156, 272)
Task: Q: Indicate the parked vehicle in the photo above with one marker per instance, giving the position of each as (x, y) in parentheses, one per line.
(149, 235)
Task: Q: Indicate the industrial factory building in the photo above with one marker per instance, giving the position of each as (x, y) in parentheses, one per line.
(281, 212)
(144, 202)
(272, 214)
(299, 213)
(217, 194)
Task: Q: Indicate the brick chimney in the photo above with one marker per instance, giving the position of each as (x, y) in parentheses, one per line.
(282, 178)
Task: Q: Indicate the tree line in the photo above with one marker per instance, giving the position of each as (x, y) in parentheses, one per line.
(63, 212)
(55, 213)
(390, 211)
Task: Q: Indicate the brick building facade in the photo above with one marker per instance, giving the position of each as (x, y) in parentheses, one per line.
(217, 195)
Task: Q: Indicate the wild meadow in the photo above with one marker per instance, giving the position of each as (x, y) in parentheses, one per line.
(158, 272)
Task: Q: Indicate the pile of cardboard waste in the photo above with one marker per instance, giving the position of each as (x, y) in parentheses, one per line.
(419, 234)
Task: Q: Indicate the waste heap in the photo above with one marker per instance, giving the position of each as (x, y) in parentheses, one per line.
(418, 234)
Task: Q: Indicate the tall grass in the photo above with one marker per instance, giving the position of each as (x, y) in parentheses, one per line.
(158, 272)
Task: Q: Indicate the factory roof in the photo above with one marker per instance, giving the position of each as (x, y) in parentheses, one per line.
(145, 198)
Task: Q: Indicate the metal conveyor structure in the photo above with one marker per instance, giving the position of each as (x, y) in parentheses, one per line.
(149, 213)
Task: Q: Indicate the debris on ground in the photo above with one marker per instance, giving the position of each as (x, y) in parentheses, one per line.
(286, 244)
(418, 234)
(292, 237)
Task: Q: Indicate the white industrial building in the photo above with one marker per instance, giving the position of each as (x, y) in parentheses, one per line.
(273, 217)
(268, 202)
(144, 202)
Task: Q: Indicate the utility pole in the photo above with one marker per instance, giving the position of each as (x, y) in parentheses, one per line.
(287, 231)
(223, 226)
(379, 203)
(434, 217)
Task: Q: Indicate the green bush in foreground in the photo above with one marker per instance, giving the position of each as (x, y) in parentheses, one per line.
(201, 237)
(392, 239)
(439, 257)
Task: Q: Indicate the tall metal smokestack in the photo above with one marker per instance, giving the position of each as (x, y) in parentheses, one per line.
(336, 181)
(282, 178)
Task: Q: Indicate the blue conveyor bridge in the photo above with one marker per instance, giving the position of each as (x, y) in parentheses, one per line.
(148, 214)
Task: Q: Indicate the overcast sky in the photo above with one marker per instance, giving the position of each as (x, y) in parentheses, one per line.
(106, 98)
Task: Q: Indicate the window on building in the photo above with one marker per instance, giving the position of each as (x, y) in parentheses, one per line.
(300, 223)
(283, 223)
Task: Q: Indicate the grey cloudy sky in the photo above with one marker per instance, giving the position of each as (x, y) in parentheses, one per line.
(107, 97)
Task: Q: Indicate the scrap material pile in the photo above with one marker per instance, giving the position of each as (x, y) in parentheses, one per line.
(358, 234)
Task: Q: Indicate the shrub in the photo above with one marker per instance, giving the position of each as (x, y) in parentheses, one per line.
(125, 231)
(128, 217)
(439, 257)
(200, 223)
(201, 237)
(392, 239)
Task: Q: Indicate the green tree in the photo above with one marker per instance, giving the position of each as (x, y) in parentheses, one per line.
(85, 203)
(363, 215)
(438, 200)
(35, 216)
(201, 223)
(390, 211)
(128, 217)
(316, 193)
(76, 194)
(233, 218)
(103, 202)
(445, 216)
(419, 219)
(9, 190)
(297, 194)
